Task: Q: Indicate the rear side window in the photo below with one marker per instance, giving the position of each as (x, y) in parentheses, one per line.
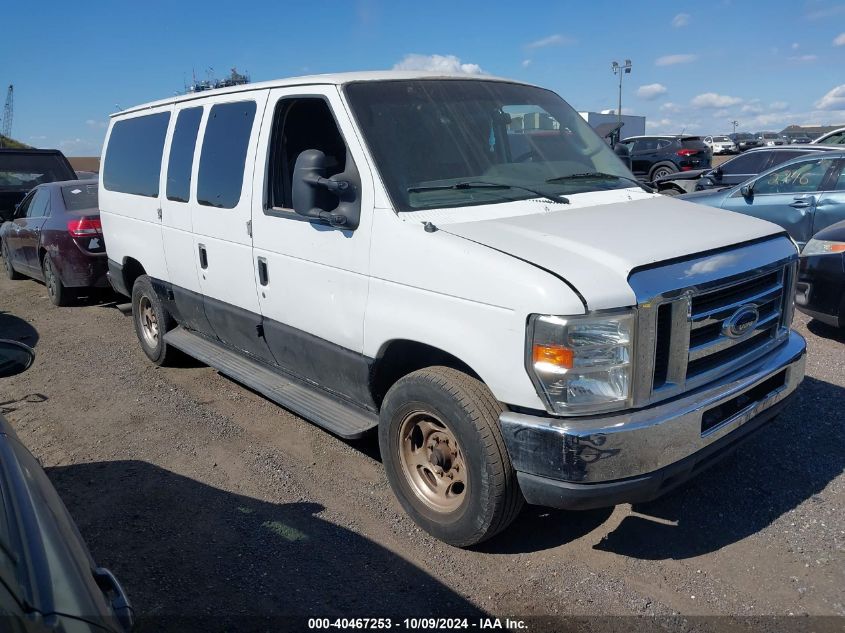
(746, 164)
(182, 154)
(40, 206)
(133, 156)
(224, 146)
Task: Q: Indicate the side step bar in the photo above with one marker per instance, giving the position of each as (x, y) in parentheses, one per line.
(345, 420)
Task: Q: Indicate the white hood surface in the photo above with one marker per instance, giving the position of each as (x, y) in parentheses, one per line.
(595, 248)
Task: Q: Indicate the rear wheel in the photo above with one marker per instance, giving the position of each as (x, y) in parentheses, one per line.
(445, 458)
(151, 321)
(660, 171)
(56, 290)
(11, 273)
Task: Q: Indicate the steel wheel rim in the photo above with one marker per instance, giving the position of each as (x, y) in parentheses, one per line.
(148, 321)
(432, 461)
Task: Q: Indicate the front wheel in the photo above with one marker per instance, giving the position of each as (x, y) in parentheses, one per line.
(445, 457)
(151, 320)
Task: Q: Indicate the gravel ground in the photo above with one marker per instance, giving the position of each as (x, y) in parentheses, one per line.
(209, 501)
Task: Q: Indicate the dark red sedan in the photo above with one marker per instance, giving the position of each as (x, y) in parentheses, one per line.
(55, 236)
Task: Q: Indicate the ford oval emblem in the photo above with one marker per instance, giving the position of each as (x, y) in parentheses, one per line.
(741, 322)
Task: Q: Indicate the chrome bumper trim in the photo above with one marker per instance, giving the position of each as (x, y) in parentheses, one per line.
(612, 447)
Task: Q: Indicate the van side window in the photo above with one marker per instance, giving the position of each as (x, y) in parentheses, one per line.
(223, 156)
(182, 154)
(133, 156)
(299, 124)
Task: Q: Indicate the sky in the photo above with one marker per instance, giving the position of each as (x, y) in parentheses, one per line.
(696, 66)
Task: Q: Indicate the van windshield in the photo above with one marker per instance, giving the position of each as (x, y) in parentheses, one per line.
(428, 134)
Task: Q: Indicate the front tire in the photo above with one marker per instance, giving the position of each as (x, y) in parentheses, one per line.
(151, 321)
(56, 290)
(445, 457)
(11, 273)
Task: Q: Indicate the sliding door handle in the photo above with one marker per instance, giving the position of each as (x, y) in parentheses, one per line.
(263, 276)
(203, 256)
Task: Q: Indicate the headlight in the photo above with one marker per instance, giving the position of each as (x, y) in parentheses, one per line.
(581, 364)
(822, 247)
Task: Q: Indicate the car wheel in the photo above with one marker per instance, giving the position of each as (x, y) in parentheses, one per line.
(151, 321)
(11, 273)
(660, 171)
(56, 290)
(445, 457)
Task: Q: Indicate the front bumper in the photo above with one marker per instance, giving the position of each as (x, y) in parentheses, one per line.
(581, 463)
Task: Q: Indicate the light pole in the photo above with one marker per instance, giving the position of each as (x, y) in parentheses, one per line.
(734, 123)
(620, 70)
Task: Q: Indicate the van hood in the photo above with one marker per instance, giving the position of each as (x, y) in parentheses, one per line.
(595, 248)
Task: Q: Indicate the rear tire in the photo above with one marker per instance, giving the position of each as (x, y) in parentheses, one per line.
(151, 321)
(659, 171)
(56, 290)
(445, 457)
(11, 273)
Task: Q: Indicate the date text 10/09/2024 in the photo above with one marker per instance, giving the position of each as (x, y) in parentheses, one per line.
(415, 624)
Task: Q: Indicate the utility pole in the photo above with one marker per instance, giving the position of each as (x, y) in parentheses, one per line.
(734, 123)
(620, 70)
(8, 112)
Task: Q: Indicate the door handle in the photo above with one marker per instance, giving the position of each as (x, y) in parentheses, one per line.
(203, 257)
(802, 203)
(263, 276)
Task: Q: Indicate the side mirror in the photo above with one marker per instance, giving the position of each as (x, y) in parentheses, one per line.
(623, 153)
(747, 191)
(15, 357)
(331, 200)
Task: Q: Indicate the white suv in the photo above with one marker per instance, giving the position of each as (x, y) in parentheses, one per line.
(461, 263)
(720, 144)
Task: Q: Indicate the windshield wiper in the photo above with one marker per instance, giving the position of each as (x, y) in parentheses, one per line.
(599, 174)
(482, 184)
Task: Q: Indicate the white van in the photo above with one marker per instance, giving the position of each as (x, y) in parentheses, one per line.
(462, 263)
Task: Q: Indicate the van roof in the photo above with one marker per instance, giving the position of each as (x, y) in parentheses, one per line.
(331, 78)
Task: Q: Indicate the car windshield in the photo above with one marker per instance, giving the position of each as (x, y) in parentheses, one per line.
(437, 141)
(721, 139)
(78, 197)
(26, 171)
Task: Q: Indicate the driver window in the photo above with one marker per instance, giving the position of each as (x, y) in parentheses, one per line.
(299, 124)
(803, 177)
(40, 205)
(23, 207)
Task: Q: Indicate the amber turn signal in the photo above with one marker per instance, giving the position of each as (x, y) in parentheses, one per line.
(556, 355)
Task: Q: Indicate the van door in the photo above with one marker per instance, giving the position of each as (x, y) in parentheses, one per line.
(179, 190)
(312, 277)
(220, 216)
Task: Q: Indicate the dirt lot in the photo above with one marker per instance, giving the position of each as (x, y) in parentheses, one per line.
(207, 500)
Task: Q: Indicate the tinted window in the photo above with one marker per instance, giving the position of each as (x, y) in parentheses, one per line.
(839, 184)
(835, 139)
(27, 170)
(782, 157)
(78, 197)
(40, 204)
(223, 155)
(182, 154)
(799, 177)
(133, 156)
(746, 164)
(23, 207)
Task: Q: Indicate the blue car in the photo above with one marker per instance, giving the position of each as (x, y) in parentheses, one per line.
(804, 195)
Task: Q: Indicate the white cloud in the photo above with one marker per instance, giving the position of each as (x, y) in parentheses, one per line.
(670, 107)
(839, 40)
(833, 100)
(659, 124)
(671, 60)
(97, 125)
(437, 63)
(552, 40)
(79, 147)
(803, 58)
(795, 46)
(828, 12)
(714, 100)
(526, 63)
(778, 105)
(682, 19)
(752, 107)
(650, 92)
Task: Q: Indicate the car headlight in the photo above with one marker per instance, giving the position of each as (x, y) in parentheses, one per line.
(581, 364)
(822, 247)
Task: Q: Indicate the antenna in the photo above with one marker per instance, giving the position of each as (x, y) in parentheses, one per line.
(9, 111)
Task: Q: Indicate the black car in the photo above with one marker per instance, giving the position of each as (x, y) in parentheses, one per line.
(48, 579)
(744, 141)
(733, 171)
(820, 291)
(24, 169)
(653, 157)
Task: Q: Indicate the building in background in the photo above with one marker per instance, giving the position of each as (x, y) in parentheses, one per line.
(631, 125)
(808, 131)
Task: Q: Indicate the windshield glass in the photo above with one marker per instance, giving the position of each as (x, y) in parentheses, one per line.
(427, 135)
(78, 197)
(26, 171)
(721, 139)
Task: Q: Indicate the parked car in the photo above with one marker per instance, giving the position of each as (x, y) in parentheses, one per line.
(770, 139)
(653, 157)
(733, 171)
(836, 137)
(518, 324)
(800, 140)
(23, 169)
(821, 276)
(744, 141)
(720, 144)
(55, 236)
(803, 195)
(48, 579)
